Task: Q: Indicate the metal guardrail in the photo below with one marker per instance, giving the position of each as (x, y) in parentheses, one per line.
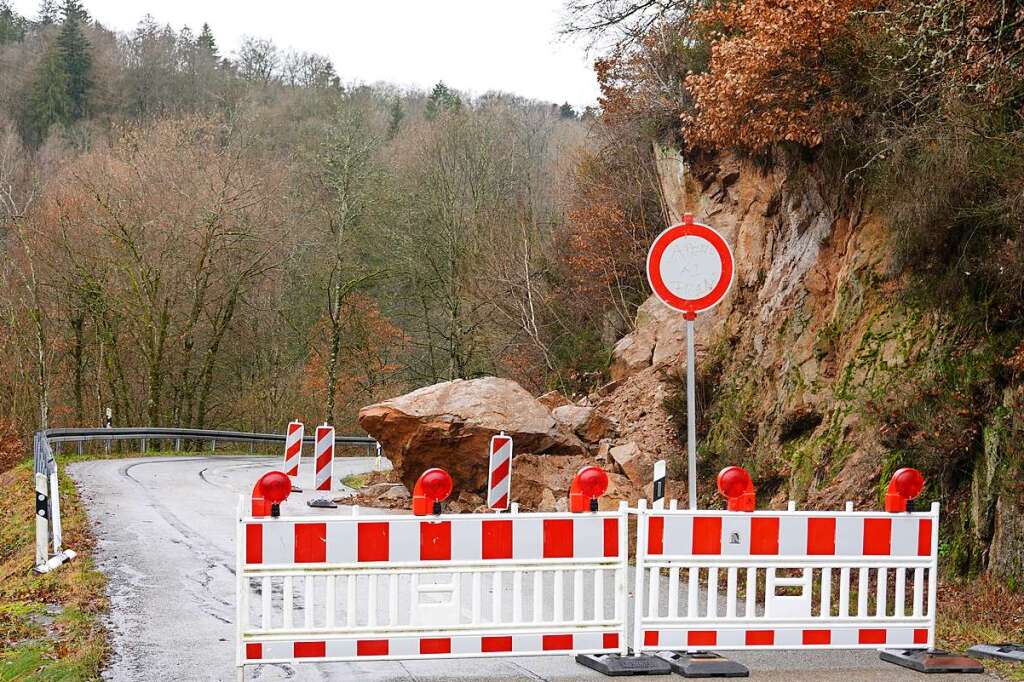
(48, 521)
(160, 433)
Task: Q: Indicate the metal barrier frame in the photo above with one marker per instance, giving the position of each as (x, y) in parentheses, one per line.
(47, 493)
(871, 620)
(478, 625)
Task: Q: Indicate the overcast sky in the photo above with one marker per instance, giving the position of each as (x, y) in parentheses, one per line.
(473, 45)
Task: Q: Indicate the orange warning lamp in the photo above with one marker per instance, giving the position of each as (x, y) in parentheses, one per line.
(270, 491)
(737, 487)
(905, 485)
(589, 483)
(433, 487)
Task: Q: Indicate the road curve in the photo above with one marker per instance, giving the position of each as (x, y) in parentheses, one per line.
(165, 540)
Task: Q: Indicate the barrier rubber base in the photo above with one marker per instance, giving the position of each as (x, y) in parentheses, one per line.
(933, 661)
(321, 503)
(703, 664)
(296, 489)
(616, 665)
(1002, 652)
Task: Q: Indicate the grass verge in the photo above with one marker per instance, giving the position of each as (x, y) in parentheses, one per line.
(981, 611)
(50, 625)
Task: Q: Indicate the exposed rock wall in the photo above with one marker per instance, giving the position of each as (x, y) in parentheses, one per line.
(818, 368)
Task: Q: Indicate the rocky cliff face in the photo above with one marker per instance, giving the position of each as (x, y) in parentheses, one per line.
(822, 371)
(825, 369)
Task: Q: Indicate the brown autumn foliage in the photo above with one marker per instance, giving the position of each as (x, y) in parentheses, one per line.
(770, 78)
(11, 447)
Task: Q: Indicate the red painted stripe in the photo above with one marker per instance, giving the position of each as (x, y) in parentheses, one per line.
(502, 503)
(310, 649)
(817, 637)
(373, 541)
(438, 645)
(293, 472)
(764, 535)
(610, 640)
(310, 543)
(651, 638)
(372, 647)
(707, 535)
(760, 637)
(253, 651)
(821, 535)
(500, 472)
(293, 449)
(497, 539)
(877, 537)
(871, 636)
(921, 636)
(293, 427)
(557, 538)
(435, 541)
(656, 535)
(254, 543)
(500, 442)
(611, 537)
(701, 638)
(494, 644)
(556, 642)
(924, 537)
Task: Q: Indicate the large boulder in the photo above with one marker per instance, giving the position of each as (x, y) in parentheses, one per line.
(449, 425)
(541, 483)
(586, 422)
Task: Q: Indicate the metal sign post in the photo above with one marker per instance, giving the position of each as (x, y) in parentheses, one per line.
(690, 268)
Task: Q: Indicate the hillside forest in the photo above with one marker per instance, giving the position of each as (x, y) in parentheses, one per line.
(196, 237)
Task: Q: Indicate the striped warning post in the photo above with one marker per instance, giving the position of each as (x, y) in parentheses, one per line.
(499, 479)
(324, 457)
(293, 449)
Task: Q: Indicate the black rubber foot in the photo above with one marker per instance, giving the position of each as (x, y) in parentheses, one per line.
(934, 661)
(703, 664)
(616, 665)
(296, 489)
(1002, 652)
(322, 503)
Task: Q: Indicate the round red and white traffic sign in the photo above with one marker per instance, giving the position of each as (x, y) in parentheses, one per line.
(690, 267)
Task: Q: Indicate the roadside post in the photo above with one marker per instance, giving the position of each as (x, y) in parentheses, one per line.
(690, 268)
(499, 473)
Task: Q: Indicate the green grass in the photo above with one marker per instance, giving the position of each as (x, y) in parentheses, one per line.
(356, 481)
(50, 626)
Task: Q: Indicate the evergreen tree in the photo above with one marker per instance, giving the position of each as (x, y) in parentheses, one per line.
(206, 42)
(12, 25)
(77, 58)
(47, 13)
(396, 115)
(566, 111)
(442, 98)
(49, 103)
(73, 9)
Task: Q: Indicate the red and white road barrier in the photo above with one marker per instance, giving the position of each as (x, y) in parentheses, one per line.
(499, 472)
(293, 450)
(323, 455)
(784, 579)
(366, 587)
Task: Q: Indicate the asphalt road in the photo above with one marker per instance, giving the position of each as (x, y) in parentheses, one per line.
(165, 540)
